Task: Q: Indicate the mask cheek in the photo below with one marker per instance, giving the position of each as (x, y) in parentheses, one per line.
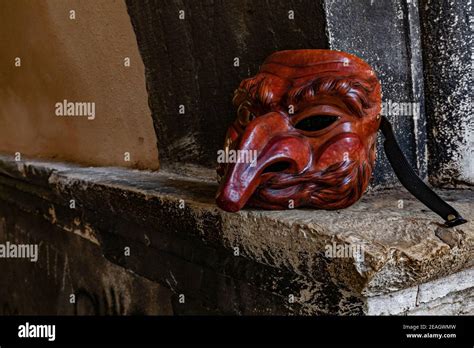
(348, 148)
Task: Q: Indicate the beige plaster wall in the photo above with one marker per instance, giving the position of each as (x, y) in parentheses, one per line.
(81, 60)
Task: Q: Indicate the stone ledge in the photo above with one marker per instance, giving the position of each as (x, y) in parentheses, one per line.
(403, 248)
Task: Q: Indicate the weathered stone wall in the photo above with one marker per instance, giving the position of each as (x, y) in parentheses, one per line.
(195, 55)
(387, 35)
(448, 61)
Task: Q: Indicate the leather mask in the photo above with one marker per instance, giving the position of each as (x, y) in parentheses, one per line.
(311, 118)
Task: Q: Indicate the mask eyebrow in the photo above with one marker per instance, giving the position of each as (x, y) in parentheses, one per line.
(323, 108)
(354, 93)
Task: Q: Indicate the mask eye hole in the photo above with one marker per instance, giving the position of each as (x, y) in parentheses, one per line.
(315, 123)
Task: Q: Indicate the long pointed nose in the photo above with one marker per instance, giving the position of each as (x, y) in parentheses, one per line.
(272, 138)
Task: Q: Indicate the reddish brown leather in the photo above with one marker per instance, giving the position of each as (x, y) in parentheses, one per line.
(327, 168)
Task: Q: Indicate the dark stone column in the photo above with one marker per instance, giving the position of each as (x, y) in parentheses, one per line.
(386, 34)
(190, 62)
(447, 58)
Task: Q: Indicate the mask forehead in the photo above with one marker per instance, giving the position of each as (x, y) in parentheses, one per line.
(286, 74)
(302, 65)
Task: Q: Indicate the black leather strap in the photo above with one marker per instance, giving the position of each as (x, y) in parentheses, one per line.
(412, 182)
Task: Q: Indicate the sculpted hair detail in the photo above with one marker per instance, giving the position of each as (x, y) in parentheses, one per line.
(357, 94)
